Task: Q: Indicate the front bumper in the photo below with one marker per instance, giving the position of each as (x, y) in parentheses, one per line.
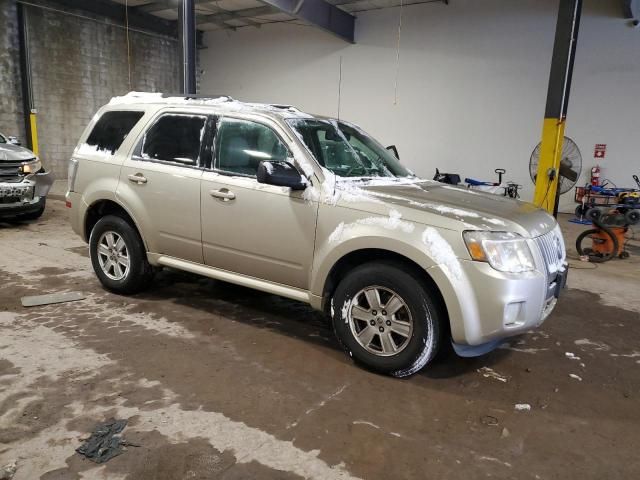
(486, 305)
(26, 196)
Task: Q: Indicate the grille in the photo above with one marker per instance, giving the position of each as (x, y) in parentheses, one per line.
(551, 246)
(17, 191)
(10, 172)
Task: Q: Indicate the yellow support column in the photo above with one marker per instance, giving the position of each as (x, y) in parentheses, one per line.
(34, 132)
(564, 51)
(549, 164)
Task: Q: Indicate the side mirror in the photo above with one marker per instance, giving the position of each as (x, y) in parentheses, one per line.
(393, 148)
(14, 141)
(280, 174)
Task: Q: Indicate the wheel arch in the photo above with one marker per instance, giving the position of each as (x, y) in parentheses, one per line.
(367, 255)
(101, 208)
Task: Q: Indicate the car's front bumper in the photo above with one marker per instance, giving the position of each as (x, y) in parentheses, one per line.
(26, 196)
(486, 305)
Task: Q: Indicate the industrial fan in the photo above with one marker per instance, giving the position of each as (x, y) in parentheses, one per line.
(570, 165)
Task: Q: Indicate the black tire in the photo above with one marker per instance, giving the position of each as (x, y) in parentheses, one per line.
(581, 210)
(35, 215)
(594, 213)
(631, 217)
(422, 344)
(140, 271)
(595, 257)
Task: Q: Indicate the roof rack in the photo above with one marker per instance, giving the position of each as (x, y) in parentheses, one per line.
(193, 96)
(282, 106)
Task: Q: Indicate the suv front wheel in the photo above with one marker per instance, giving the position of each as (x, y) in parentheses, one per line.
(118, 256)
(386, 319)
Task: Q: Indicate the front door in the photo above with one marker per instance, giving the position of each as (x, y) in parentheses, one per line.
(160, 184)
(259, 230)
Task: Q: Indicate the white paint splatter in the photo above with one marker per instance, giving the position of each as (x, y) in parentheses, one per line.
(392, 222)
(585, 342)
(311, 194)
(490, 373)
(531, 350)
(337, 234)
(627, 355)
(522, 407)
(494, 460)
(441, 252)
(575, 377)
(363, 422)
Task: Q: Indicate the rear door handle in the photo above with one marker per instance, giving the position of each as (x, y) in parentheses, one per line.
(224, 194)
(137, 178)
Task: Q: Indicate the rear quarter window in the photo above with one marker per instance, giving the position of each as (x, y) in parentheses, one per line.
(111, 129)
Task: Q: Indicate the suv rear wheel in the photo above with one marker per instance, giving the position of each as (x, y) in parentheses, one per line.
(118, 256)
(386, 319)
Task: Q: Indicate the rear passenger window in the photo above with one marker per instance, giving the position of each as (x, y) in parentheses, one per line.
(174, 138)
(111, 130)
(242, 144)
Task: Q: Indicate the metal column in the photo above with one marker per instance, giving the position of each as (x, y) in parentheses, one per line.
(187, 34)
(564, 51)
(28, 105)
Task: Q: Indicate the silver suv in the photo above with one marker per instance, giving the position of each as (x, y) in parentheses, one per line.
(24, 182)
(313, 209)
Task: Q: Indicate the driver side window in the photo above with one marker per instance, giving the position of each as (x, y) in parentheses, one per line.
(241, 145)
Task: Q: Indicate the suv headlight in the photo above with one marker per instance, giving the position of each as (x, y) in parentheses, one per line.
(31, 167)
(504, 251)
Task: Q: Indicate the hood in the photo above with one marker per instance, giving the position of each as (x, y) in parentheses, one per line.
(452, 207)
(14, 153)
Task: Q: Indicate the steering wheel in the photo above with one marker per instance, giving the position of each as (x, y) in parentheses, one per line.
(348, 172)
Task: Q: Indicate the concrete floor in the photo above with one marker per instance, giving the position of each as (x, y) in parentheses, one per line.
(221, 382)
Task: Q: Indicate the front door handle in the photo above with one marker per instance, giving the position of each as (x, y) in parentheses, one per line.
(137, 178)
(223, 193)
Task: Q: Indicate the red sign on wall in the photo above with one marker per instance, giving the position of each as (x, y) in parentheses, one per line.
(600, 150)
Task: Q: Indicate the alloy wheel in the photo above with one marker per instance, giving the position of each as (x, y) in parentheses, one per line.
(380, 321)
(113, 255)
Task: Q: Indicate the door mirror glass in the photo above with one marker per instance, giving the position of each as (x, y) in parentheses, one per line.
(394, 149)
(281, 174)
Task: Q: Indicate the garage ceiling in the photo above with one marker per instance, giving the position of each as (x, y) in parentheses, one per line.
(234, 14)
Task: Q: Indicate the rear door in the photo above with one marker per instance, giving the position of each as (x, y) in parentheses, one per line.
(259, 230)
(160, 184)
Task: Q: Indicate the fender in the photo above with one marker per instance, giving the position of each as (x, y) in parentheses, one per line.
(329, 254)
(110, 197)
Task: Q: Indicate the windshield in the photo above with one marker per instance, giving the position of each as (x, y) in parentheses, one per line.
(2, 139)
(346, 150)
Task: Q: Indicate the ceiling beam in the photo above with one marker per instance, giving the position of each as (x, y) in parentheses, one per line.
(116, 12)
(159, 6)
(319, 13)
(241, 14)
(220, 15)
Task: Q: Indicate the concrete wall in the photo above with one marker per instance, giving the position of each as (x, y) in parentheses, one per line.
(77, 66)
(11, 120)
(471, 87)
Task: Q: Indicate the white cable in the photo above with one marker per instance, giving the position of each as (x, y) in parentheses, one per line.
(395, 87)
(339, 87)
(126, 15)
